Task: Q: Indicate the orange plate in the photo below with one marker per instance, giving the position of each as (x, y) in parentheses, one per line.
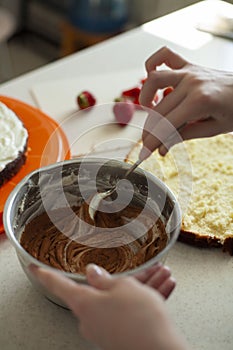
(47, 144)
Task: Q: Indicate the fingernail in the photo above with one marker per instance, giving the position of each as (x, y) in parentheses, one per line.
(94, 270)
(159, 264)
(33, 268)
(163, 151)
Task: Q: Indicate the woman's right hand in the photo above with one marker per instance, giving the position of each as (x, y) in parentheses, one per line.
(201, 101)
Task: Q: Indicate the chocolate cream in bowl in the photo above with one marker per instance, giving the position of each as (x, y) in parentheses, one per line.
(118, 241)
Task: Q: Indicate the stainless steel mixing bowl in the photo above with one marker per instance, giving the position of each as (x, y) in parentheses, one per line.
(63, 184)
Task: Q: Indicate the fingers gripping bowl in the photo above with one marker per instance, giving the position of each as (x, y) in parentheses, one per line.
(46, 219)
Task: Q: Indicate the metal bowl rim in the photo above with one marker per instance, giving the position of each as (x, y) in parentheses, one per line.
(78, 277)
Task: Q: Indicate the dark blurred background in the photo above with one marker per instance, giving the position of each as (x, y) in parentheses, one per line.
(41, 31)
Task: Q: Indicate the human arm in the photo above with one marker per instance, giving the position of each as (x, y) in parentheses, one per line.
(116, 313)
(201, 102)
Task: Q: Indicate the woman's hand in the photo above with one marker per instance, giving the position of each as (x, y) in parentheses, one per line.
(116, 312)
(201, 102)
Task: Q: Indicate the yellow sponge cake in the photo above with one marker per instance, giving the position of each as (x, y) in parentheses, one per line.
(208, 216)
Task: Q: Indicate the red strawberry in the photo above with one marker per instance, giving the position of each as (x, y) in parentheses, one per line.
(142, 81)
(167, 91)
(156, 98)
(132, 94)
(85, 99)
(123, 111)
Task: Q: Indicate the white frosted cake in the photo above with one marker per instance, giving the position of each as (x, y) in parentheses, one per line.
(13, 144)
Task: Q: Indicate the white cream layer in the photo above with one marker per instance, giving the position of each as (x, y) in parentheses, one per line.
(13, 136)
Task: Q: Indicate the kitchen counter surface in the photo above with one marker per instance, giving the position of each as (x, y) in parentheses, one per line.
(202, 303)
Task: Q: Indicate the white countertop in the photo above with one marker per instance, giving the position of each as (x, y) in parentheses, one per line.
(202, 304)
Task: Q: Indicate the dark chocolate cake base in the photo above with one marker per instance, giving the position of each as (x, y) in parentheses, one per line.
(12, 168)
